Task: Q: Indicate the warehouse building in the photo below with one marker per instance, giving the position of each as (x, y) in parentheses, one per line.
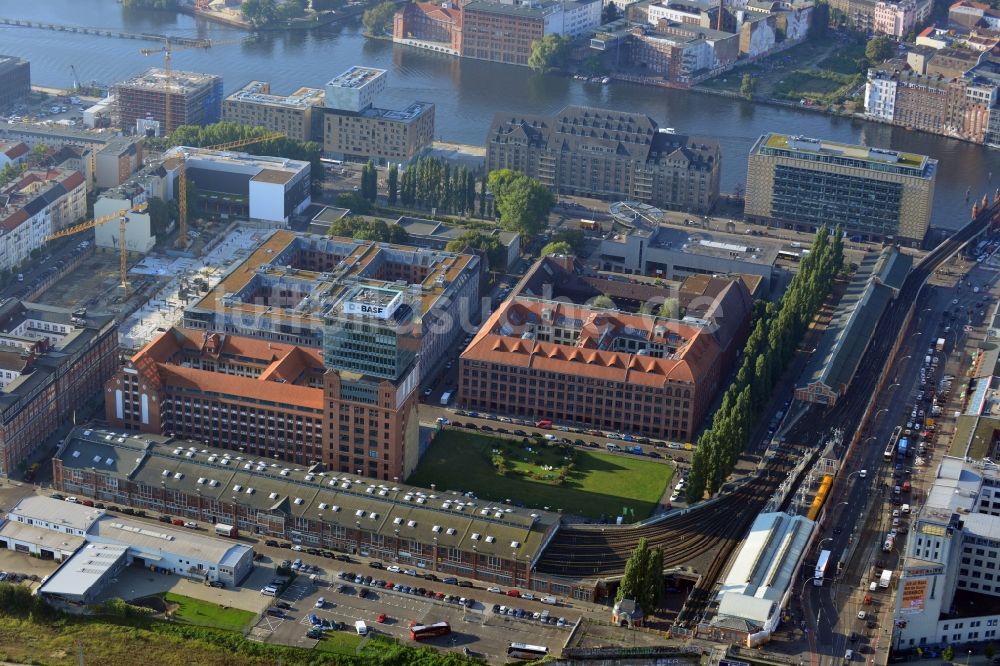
(439, 531)
(195, 99)
(608, 154)
(85, 576)
(48, 528)
(804, 183)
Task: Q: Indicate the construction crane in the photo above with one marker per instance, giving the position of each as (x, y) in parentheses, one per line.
(76, 79)
(182, 222)
(122, 216)
(167, 50)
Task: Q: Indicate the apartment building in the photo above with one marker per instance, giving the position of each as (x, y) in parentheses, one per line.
(34, 206)
(13, 153)
(804, 183)
(54, 362)
(958, 107)
(608, 154)
(15, 80)
(355, 129)
(895, 19)
(195, 99)
(293, 115)
(547, 354)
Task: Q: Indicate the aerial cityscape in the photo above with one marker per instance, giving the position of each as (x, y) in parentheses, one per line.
(494, 331)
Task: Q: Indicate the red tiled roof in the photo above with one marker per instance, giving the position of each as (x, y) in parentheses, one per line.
(14, 150)
(73, 181)
(242, 387)
(14, 220)
(696, 355)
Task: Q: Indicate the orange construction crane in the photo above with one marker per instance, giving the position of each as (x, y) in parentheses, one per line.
(182, 221)
(122, 216)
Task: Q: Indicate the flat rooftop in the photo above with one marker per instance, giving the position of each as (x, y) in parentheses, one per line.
(57, 512)
(340, 500)
(82, 571)
(411, 112)
(147, 538)
(258, 92)
(356, 77)
(155, 79)
(808, 148)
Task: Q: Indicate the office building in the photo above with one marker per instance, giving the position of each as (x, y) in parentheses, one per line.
(35, 205)
(54, 362)
(430, 530)
(804, 183)
(547, 354)
(15, 80)
(644, 247)
(434, 234)
(608, 154)
(195, 99)
(258, 187)
(293, 115)
(288, 290)
(948, 585)
(328, 338)
(355, 129)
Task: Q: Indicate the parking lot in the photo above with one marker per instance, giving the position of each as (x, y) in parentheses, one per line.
(476, 628)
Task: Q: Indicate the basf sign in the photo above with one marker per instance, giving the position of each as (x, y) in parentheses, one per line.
(372, 302)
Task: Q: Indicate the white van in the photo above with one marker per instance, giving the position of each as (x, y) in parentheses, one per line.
(905, 508)
(552, 601)
(361, 628)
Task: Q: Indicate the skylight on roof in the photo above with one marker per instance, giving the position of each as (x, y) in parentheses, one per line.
(298, 500)
(475, 536)
(272, 496)
(490, 539)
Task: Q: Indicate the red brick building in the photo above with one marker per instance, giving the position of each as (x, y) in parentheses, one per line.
(54, 363)
(265, 399)
(429, 22)
(541, 356)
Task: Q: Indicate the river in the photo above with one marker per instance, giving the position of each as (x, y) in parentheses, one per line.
(466, 92)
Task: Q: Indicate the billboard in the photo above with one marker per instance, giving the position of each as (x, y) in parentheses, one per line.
(914, 593)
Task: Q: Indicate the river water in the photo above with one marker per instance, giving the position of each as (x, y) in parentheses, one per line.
(466, 92)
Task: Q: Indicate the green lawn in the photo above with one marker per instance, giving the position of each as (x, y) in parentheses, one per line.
(599, 484)
(341, 642)
(208, 614)
(804, 84)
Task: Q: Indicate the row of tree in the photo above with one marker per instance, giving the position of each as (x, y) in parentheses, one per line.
(369, 181)
(361, 228)
(776, 333)
(433, 183)
(226, 132)
(263, 12)
(378, 20)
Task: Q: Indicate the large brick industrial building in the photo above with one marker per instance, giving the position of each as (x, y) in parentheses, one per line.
(546, 354)
(327, 369)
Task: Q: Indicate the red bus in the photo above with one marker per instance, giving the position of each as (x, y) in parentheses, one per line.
(419, 632)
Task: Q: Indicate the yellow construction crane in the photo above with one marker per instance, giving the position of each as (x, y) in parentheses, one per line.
(167, 50)
(122, 216)
(182, 222)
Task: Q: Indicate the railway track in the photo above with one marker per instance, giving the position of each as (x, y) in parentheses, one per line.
(588, 551)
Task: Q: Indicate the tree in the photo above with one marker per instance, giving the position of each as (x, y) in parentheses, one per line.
(652, 583)
(671, 309)
(392, 185)
(489, 245)
(482, 196)
(746, 87)
(38, 153)
(819, 26)
(359, 228)
(610, 13)
(259, 12)
(948, 653)
(574, 237)
(378, 19)
(159, 215)
(557, 247)
(603, 301)
(369, 181)
(523, 202)
(351, 201)
(989, 651)
(635, 573)
(878, 49)
(549, 53)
